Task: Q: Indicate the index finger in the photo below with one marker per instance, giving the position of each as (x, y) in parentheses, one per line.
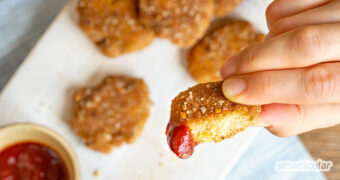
(298, 48)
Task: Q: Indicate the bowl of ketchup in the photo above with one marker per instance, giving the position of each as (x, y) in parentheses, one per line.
(34, 152)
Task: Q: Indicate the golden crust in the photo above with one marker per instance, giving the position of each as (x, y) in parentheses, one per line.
(223, 7)
(209, 115)
(111, 113)
(113, 26)
(206, 58)
(181, 21)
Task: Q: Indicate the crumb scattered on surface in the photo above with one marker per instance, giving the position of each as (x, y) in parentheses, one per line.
(96, 172)
(112, 113)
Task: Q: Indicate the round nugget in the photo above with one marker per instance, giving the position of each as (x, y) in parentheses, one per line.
(203, 114)
(181, 21)
(223, 7)
(113, 26)
(206, 58)
(111, 113)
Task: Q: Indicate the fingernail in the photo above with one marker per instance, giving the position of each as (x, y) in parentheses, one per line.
(233, 87)
(228, 69)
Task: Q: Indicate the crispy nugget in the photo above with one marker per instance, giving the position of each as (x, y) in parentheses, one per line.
(111, 113)
(202, 114)
(113, 25)
(223, 7)
(206, 58)
(181, 21)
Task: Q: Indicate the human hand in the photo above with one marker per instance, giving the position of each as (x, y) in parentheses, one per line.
(295, 72)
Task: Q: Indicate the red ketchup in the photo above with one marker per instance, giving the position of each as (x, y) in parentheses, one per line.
(180, 140)
(31, 161)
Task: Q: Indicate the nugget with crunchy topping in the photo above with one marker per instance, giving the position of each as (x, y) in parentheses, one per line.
(202, 114)
(114, 26)
(206, 58)
(112, 113)
(181, 21)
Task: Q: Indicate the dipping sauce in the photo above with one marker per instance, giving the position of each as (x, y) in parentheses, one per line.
(31, 161)
(180, 140)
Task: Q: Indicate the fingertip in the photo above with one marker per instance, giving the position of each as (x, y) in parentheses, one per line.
(270, 118)
(280, 119)
(264, 118)
(232, 88)
(271, 11)
(272, 112)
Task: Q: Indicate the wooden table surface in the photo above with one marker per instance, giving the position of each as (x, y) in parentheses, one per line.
(325, 144)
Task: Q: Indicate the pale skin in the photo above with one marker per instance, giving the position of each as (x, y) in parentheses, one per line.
(295, 73)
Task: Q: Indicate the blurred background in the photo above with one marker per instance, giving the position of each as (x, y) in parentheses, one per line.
(23, 22)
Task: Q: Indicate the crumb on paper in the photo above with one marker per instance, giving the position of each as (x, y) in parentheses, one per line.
(96, 172)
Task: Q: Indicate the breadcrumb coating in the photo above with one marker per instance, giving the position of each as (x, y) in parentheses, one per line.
(181, 21)
(112, 113)
(206, 58)
(114, 26)
(202, 114)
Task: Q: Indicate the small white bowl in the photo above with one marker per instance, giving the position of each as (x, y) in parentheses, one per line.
(26, 132)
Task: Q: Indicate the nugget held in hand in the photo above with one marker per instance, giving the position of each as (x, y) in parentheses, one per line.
(181, 21)
(111, 113)
(206, 58)
(202, 114)
(113, 26)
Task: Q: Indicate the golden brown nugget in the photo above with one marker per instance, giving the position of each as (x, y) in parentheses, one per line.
(206, 58)
(111, 113)
(223, 7)
(202, 114)
(181, 21)
(113, 25)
